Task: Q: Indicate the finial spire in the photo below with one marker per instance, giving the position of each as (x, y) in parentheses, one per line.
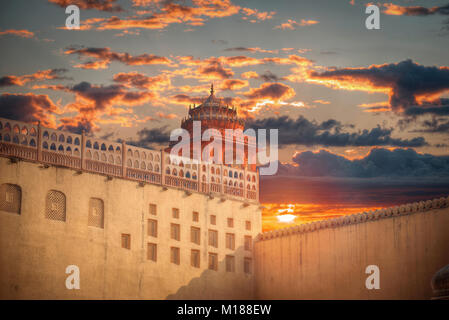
(212, 89)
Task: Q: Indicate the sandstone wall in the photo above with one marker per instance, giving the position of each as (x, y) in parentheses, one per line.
(327, 259)
(35, 251)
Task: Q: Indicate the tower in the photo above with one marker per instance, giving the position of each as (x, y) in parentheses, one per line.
(213, 113)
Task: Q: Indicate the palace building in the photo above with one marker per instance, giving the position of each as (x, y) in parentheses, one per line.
(137, 222)
(214, 114)
(143, 224)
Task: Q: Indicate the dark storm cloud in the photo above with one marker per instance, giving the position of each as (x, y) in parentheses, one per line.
(147, 137)
(435, 126)
(407, 81)
(435, 110)
(378, 163)
(330, 133)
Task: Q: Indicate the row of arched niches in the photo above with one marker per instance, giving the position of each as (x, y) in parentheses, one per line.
(64, 148)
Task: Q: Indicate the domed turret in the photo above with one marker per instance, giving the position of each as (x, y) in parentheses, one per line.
(214, 113)
(213, 108)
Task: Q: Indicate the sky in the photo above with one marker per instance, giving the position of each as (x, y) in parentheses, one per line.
(363, 115)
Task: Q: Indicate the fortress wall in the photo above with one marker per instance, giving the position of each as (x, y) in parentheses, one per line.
(327, 259)
(35, 251)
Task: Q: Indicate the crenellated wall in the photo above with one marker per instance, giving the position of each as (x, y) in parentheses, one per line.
(327, 259)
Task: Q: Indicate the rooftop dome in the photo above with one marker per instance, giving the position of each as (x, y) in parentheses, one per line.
(211, 101)
(440, 283)
(213, 109)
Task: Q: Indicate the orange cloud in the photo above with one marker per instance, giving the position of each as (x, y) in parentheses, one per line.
(20, 33)
(29, 107)
(171, 13)
(102, 5)
(104, 56)
(49, 74)
(292, 24)
(255, 15)
(141, 81)
(233, 84)
(166, 116)
(406, 83)
(397, 10)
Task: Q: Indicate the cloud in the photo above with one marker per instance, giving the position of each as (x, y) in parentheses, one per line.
(20, 33)
(50, 74)
(233, 84)
(273, 91)
(141, 81)
(350, 195)
(95, 104)
(214, 69)
(292, 24)
(441, 110)
(148, 137)
(102, 97)
(267, 76)
(434, 125)
(166, 116)
(378, 162)
(102, 5)
(330, 133)
(252, 50)
(170, 13)
(397, 10)
(407, 83)
(28, 107)
(104, 56)
(254, 15)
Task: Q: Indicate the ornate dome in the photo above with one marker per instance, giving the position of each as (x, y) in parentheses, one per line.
(440, 283)
(213, 109)
(211, 101)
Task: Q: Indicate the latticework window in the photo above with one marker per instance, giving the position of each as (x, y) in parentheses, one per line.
(175, 255)
(55, 208)
(10, 198)
(195, 258)
(152, 251)
(153, 209)
(230, 241)
(195, 235)
(96, 213)
(230, 264)
(126, 241)
(213, 238)
(213, 261)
